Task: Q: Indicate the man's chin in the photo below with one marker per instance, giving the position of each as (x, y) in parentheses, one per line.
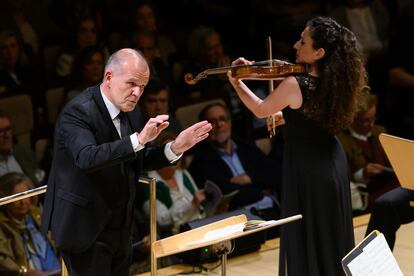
(220, 142)
(128, 107)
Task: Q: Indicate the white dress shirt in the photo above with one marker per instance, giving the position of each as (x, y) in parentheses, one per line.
(114, 111)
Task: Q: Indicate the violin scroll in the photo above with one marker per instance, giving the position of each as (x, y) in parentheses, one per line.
(190, 79)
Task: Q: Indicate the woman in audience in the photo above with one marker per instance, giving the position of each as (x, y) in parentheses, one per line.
(85, 35)
(23, 249)
(87, 71)
(178, 198)
(17, 72)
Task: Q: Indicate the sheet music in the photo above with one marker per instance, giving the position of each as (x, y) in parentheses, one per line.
(376, 259)
(219, 233)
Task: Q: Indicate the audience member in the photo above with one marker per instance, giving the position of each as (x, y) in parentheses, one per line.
(232, 163)
(145, 42)
(366, 158)
(87, 71)
(14, 17)
(178, 197)
(17, 73)
(206, 51)
(390, 211)
(85, 34)
(146, 20)
(23, 249)
(14, 157)
(370, 22)
(156, 101)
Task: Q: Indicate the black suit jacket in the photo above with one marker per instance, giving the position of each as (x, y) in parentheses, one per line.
(208, 165)
(91, 171)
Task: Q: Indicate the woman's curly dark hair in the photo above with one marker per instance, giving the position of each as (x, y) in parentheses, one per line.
(342, 75)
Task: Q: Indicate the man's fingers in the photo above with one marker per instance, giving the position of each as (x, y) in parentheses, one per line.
(199, 125)
(163, 117)
(203, 126)
(162, 126)
(202, 137)
(156, 121)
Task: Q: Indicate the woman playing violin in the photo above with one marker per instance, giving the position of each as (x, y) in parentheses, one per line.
(316, 106)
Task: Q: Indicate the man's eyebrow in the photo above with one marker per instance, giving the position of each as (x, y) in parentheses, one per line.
(132, 79)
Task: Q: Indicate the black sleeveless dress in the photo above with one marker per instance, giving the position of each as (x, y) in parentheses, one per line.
(316, 185)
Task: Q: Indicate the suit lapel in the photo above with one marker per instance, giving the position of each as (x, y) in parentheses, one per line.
(104, 112)
(135, 120)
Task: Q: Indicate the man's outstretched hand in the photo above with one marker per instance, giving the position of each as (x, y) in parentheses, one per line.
(152, 129)
(190, 136)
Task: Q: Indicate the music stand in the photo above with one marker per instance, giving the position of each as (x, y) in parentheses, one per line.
(217, 233)
(400, 153)
(372, 256)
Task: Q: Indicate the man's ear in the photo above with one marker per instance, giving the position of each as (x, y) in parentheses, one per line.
(320, 53)
(107, 77)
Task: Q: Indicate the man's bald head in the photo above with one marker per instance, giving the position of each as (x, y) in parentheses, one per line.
(120, 58)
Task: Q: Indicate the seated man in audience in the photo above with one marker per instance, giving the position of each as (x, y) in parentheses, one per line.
(156, 101)
(232, 163)
(390, 211)
(23, 249)
(17, 158)
(145, 42)
(367, 161)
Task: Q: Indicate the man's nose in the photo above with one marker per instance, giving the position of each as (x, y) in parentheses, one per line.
(136, 91)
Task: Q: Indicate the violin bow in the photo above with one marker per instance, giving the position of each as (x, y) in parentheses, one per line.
(271, 84)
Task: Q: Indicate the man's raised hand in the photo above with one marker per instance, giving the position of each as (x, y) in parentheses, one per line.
(190, 136)
(152, 129)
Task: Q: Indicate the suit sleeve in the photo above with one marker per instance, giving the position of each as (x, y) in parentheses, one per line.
(88, 141)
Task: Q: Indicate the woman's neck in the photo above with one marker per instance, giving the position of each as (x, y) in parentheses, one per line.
(313, 70)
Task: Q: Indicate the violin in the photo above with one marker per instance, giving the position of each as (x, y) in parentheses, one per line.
(263, 70)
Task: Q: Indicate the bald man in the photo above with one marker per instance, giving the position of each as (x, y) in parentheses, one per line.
(99, 152)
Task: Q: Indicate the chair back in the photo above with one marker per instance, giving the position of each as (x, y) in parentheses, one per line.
(20, 110)
(188, 114)
(54, 101)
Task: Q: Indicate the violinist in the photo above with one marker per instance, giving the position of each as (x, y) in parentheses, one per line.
(316, 106)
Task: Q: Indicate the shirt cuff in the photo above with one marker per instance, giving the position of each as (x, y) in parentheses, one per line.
(135, 143)
(171, 156)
